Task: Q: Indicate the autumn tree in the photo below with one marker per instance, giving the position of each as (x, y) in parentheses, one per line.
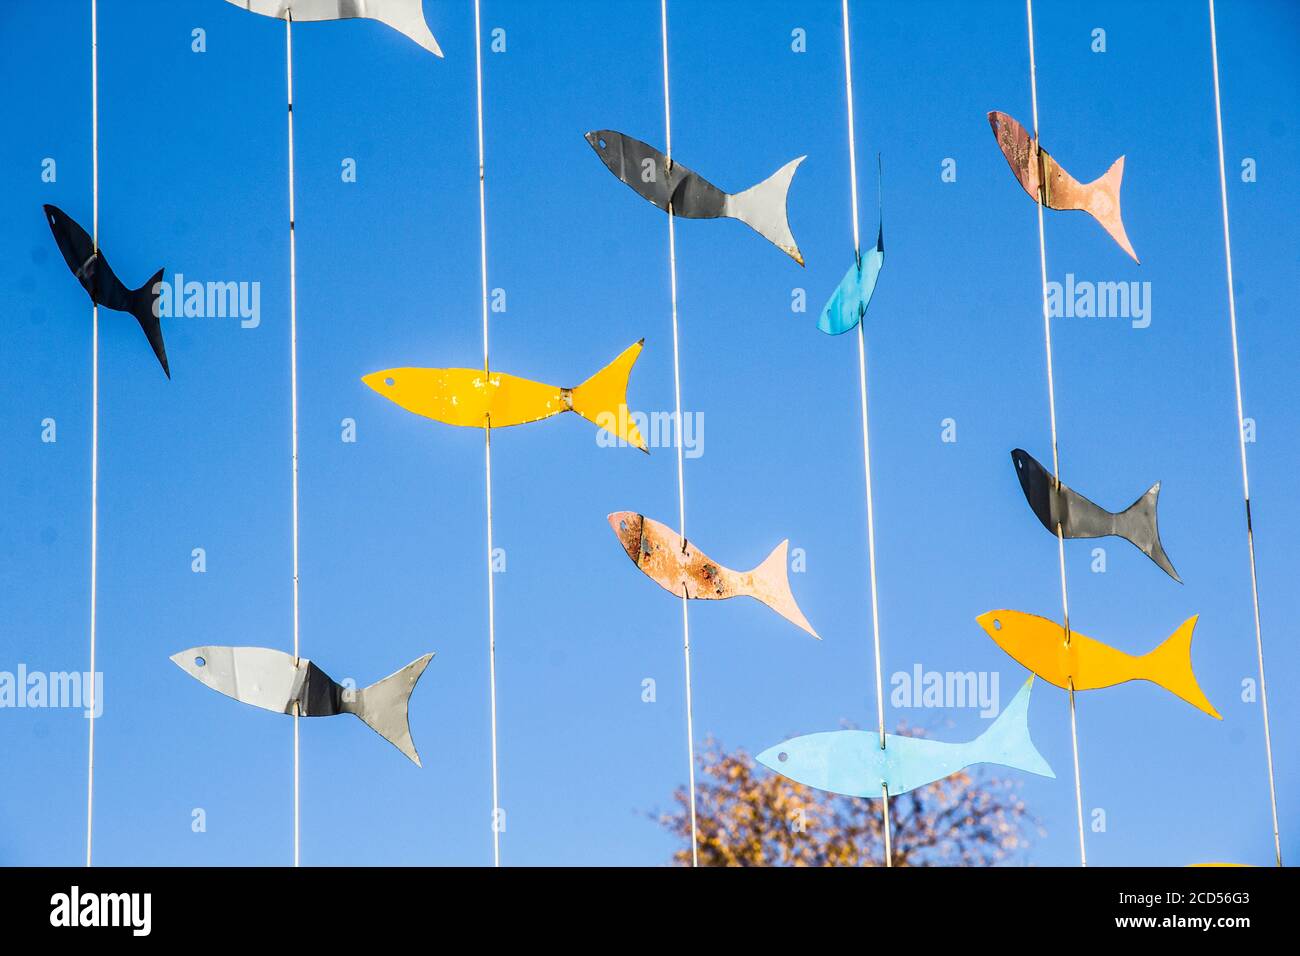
(750, 816)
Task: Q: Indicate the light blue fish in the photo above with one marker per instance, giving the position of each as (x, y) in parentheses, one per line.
(849, 302)
(852, 762)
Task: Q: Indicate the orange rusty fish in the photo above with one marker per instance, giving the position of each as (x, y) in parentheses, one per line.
(680, 568)
(1045, 180)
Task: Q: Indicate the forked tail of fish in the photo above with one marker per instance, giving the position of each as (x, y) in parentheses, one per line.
(763, 209)
(1103, 205)
(384, 705)
(771, 582)
(1170, 666)
(143, 304)
(1008, 743)
(1138, 524)
(602, 399)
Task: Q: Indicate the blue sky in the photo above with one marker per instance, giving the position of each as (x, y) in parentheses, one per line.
(193, 177)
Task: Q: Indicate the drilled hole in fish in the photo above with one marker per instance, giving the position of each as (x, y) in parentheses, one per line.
(622, 526)
(201, 662)
(783, 756)
(389, 382)
(601, 142)
(997, 625)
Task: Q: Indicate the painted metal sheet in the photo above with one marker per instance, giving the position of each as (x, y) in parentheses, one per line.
(474, 398)
(1056, 503)
(1039, 644)
(848, 304)
(102, 284)
(852, 762)
(279, 682)
(690, 196)
(1047, 183)
(404, 16)
(680, 568)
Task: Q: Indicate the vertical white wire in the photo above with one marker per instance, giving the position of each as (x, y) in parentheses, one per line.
(1051, 403)
(677, 398)
(293, 385)
(94, 420)
(1241, 434)
(866, 435)
(487, 440)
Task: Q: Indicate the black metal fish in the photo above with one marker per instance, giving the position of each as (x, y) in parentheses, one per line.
(1080, 518)
(102, 284)
(646, 170)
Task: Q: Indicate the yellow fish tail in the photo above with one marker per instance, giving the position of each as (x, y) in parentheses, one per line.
(602, 399)
(1170, 666)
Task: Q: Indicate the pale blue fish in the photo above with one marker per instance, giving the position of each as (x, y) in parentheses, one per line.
(852, 762)
(849, 301)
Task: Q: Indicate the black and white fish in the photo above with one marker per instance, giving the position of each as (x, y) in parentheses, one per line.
(691, 196)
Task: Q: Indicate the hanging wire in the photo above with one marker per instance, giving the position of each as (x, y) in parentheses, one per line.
(1051, 403)
(94, 421)
(1241, 435)
(487, 442)
(677, 398)
(293, 401)
(866, 436)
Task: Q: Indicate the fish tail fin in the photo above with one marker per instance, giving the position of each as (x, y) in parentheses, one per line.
(383, 706)
(602, 399)
(143, 304)
(763, 209)
(1007, 741)
(407, 18)
(772, 587)
(1170, 666)
(1138, 524)
(1103, 204)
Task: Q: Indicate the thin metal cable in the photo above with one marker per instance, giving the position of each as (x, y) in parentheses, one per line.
(293, 386)
(866, 436)
(677, 397)
(1051, 402)
(487, 441)
(1241, 435)
(94, 421)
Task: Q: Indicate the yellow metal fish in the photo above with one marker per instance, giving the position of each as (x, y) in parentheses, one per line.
(478, 399)
(1039, 644)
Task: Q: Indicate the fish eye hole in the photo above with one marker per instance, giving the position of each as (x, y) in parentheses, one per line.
(622, 525)
(200, 662)
(600, 141)
(389, 382)
(783, 756)
(997, 624)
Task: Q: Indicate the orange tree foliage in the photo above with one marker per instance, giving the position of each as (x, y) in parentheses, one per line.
(749, 816)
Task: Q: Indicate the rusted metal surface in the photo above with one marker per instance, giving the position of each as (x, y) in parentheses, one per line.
(680, 568)
(1055, 503)
(688, 195)
(1044, 179)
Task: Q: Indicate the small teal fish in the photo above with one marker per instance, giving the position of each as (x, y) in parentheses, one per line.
(852, 762)
(849, 303)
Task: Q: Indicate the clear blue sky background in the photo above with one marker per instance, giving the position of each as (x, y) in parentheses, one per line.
(193, 171)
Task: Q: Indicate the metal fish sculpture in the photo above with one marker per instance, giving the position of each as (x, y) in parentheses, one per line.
(679, 567)
(276, 681)
(849, 302)
(1044, 179)
(853, 763)
(1039, 644)
(404, 16)
(1080, 518)
(101, 282)
(476, 399)
(690, 196)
